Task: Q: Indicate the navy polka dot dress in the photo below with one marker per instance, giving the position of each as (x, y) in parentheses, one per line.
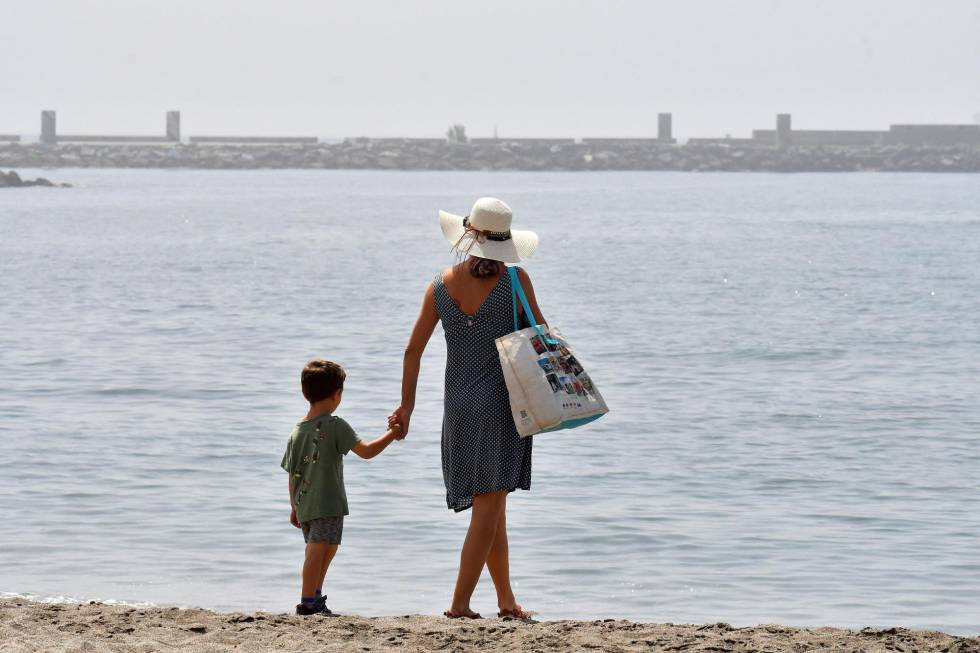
(481, 450)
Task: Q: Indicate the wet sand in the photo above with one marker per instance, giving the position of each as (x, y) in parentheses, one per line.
(96, 627)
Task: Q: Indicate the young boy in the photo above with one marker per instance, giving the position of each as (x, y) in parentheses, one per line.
(314, 460)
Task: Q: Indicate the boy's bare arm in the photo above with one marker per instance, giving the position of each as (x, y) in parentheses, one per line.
(371, 449)
(292, 513)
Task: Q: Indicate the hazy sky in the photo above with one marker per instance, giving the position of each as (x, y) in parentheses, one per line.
(548, 68)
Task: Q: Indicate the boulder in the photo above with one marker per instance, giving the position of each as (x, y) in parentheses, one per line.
(12, 180)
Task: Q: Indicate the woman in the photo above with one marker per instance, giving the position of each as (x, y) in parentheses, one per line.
(483, 458)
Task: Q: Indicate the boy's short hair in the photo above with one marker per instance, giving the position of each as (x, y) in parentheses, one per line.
(321, 378)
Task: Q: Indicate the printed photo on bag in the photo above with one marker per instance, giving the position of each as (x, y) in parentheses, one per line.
(538, 345)
(552, 344)
(563, 350)
(587, 383)
(546, 365)
(575, 365)
(566, 382)
(579, 389)
(553, 382)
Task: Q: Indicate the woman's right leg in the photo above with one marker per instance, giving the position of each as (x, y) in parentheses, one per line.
(484, 520)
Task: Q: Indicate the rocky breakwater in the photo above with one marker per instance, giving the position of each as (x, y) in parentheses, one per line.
(409, 154)
(12, 180)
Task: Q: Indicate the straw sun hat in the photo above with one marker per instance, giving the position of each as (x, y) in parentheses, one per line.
(486, 232)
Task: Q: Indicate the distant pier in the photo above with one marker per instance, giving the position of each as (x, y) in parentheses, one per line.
(902, 147)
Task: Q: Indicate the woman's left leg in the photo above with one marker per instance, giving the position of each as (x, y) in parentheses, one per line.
(498, 562)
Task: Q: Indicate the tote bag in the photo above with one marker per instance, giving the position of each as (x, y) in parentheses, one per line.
(548, 386)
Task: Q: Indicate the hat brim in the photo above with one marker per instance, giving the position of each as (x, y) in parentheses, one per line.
(521, 245)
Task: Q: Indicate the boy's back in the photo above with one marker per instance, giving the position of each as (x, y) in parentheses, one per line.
(314, 460)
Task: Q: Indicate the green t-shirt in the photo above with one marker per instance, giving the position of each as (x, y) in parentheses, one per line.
(314, 459)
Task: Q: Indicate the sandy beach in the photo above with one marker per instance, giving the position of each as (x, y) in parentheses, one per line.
(96, 627)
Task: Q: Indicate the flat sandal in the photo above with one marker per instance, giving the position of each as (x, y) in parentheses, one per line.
(461, 615)
(519, 613)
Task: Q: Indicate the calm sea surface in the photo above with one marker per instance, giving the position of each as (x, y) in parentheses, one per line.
(792, 364)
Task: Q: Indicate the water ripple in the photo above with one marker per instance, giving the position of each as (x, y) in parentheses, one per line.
(794, 380)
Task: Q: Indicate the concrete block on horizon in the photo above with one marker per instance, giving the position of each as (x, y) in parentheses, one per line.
(614, 141)
(823, 137)
(49, 132)
(940, 135)
(173, 126)
(255, 140)
(784, 129)
(109, 138)
(524, 141)
(10, 138)
(665, 128)
(727, 140)
(389, 141)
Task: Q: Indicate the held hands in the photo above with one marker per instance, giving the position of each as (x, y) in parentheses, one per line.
(293, 520)
(399, 420)
(395, 428)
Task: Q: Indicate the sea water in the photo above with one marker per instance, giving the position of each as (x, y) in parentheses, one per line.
(792, 364)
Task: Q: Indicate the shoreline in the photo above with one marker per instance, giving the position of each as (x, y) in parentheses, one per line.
(94, 627)
(408, 154)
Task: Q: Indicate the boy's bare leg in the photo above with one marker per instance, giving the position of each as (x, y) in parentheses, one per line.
(326, 563)
(498, 562)
(318, 557)
(486, 512)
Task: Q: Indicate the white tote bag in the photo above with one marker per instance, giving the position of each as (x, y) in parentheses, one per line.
(549, 388)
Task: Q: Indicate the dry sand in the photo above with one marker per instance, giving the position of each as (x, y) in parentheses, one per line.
(96, 627)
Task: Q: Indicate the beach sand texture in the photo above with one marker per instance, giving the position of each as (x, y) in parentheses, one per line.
(96, 627)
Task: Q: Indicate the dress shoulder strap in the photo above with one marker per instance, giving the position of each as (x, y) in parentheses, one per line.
(438, 284)
(440, 292)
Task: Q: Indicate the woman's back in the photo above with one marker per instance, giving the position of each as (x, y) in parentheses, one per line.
(474, 313)
(467, 291)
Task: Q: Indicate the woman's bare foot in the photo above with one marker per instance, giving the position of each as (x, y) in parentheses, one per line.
(516, 612)
(465, 613)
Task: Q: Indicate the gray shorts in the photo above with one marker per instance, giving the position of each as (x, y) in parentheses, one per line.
(325, 530)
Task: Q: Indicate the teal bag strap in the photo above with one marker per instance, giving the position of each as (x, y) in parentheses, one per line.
(516, 290)
(514, 282)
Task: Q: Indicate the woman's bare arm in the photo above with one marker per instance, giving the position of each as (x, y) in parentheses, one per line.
(425, 324)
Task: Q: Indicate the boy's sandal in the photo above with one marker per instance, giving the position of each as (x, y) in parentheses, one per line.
(517, 613)
(461, 615)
